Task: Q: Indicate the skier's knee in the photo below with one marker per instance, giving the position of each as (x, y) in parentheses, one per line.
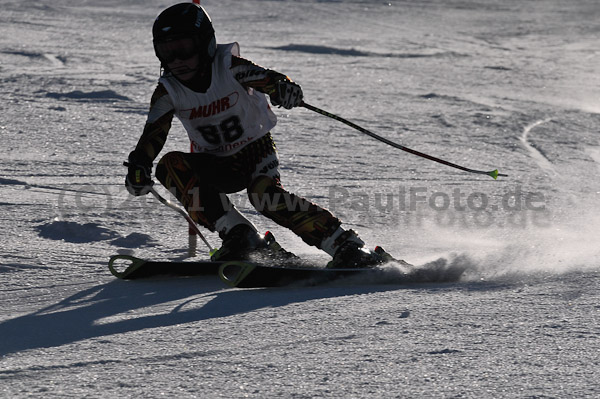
(168, 164)
(260, 187)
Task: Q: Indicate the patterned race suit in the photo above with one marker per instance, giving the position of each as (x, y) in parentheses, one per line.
(231, 147)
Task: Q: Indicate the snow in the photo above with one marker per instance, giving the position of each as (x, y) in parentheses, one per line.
(510, 85)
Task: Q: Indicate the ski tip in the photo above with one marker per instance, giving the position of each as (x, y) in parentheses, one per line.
(234, 272)
(130, 264)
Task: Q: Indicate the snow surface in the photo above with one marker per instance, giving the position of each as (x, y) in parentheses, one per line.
(512, 85)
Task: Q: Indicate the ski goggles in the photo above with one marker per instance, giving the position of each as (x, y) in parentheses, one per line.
(179, 49)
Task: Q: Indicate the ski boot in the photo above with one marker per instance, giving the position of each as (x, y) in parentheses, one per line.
(389, 258)
(275, 251)
(351, 253)
(242, 242)
(238, 243)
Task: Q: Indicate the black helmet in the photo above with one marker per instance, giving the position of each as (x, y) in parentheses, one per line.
(185, 20)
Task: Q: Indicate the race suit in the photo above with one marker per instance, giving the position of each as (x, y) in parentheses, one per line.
(231, 147)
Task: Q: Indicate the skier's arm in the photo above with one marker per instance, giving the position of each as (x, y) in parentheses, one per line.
(157, 127)
(139, 174)
(280, 88)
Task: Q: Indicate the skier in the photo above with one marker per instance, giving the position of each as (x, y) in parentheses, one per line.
(218, 97)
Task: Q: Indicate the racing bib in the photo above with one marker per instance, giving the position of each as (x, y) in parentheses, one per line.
(227, 117)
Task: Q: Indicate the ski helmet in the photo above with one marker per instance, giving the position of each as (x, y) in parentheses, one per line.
(185, 20)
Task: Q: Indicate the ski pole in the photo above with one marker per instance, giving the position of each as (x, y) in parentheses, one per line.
(183, 213)
(493, 173)
(187, 217)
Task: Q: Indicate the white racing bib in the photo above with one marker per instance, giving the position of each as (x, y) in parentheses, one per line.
(227, 117)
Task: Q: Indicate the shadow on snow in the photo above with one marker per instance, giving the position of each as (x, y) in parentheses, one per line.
(80, 316)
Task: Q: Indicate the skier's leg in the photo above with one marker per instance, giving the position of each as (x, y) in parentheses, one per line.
(309, 221)
(195, 181)
(314, 224)
(177, 172)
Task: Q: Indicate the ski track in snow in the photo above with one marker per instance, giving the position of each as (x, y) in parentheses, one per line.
(511, 86)
(538, 156)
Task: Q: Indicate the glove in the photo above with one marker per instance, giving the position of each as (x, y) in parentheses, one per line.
(139, 177)
(138, 180)
(287, 94)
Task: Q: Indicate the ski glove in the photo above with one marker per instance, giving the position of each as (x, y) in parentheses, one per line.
(139, 177)
(287, 94)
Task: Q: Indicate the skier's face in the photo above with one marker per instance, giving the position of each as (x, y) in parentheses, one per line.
(185, 70)
(181, 57)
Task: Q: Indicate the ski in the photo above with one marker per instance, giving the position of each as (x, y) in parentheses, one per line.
(127, 267)
(241, 274)
(246, 274)
(252, 275)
